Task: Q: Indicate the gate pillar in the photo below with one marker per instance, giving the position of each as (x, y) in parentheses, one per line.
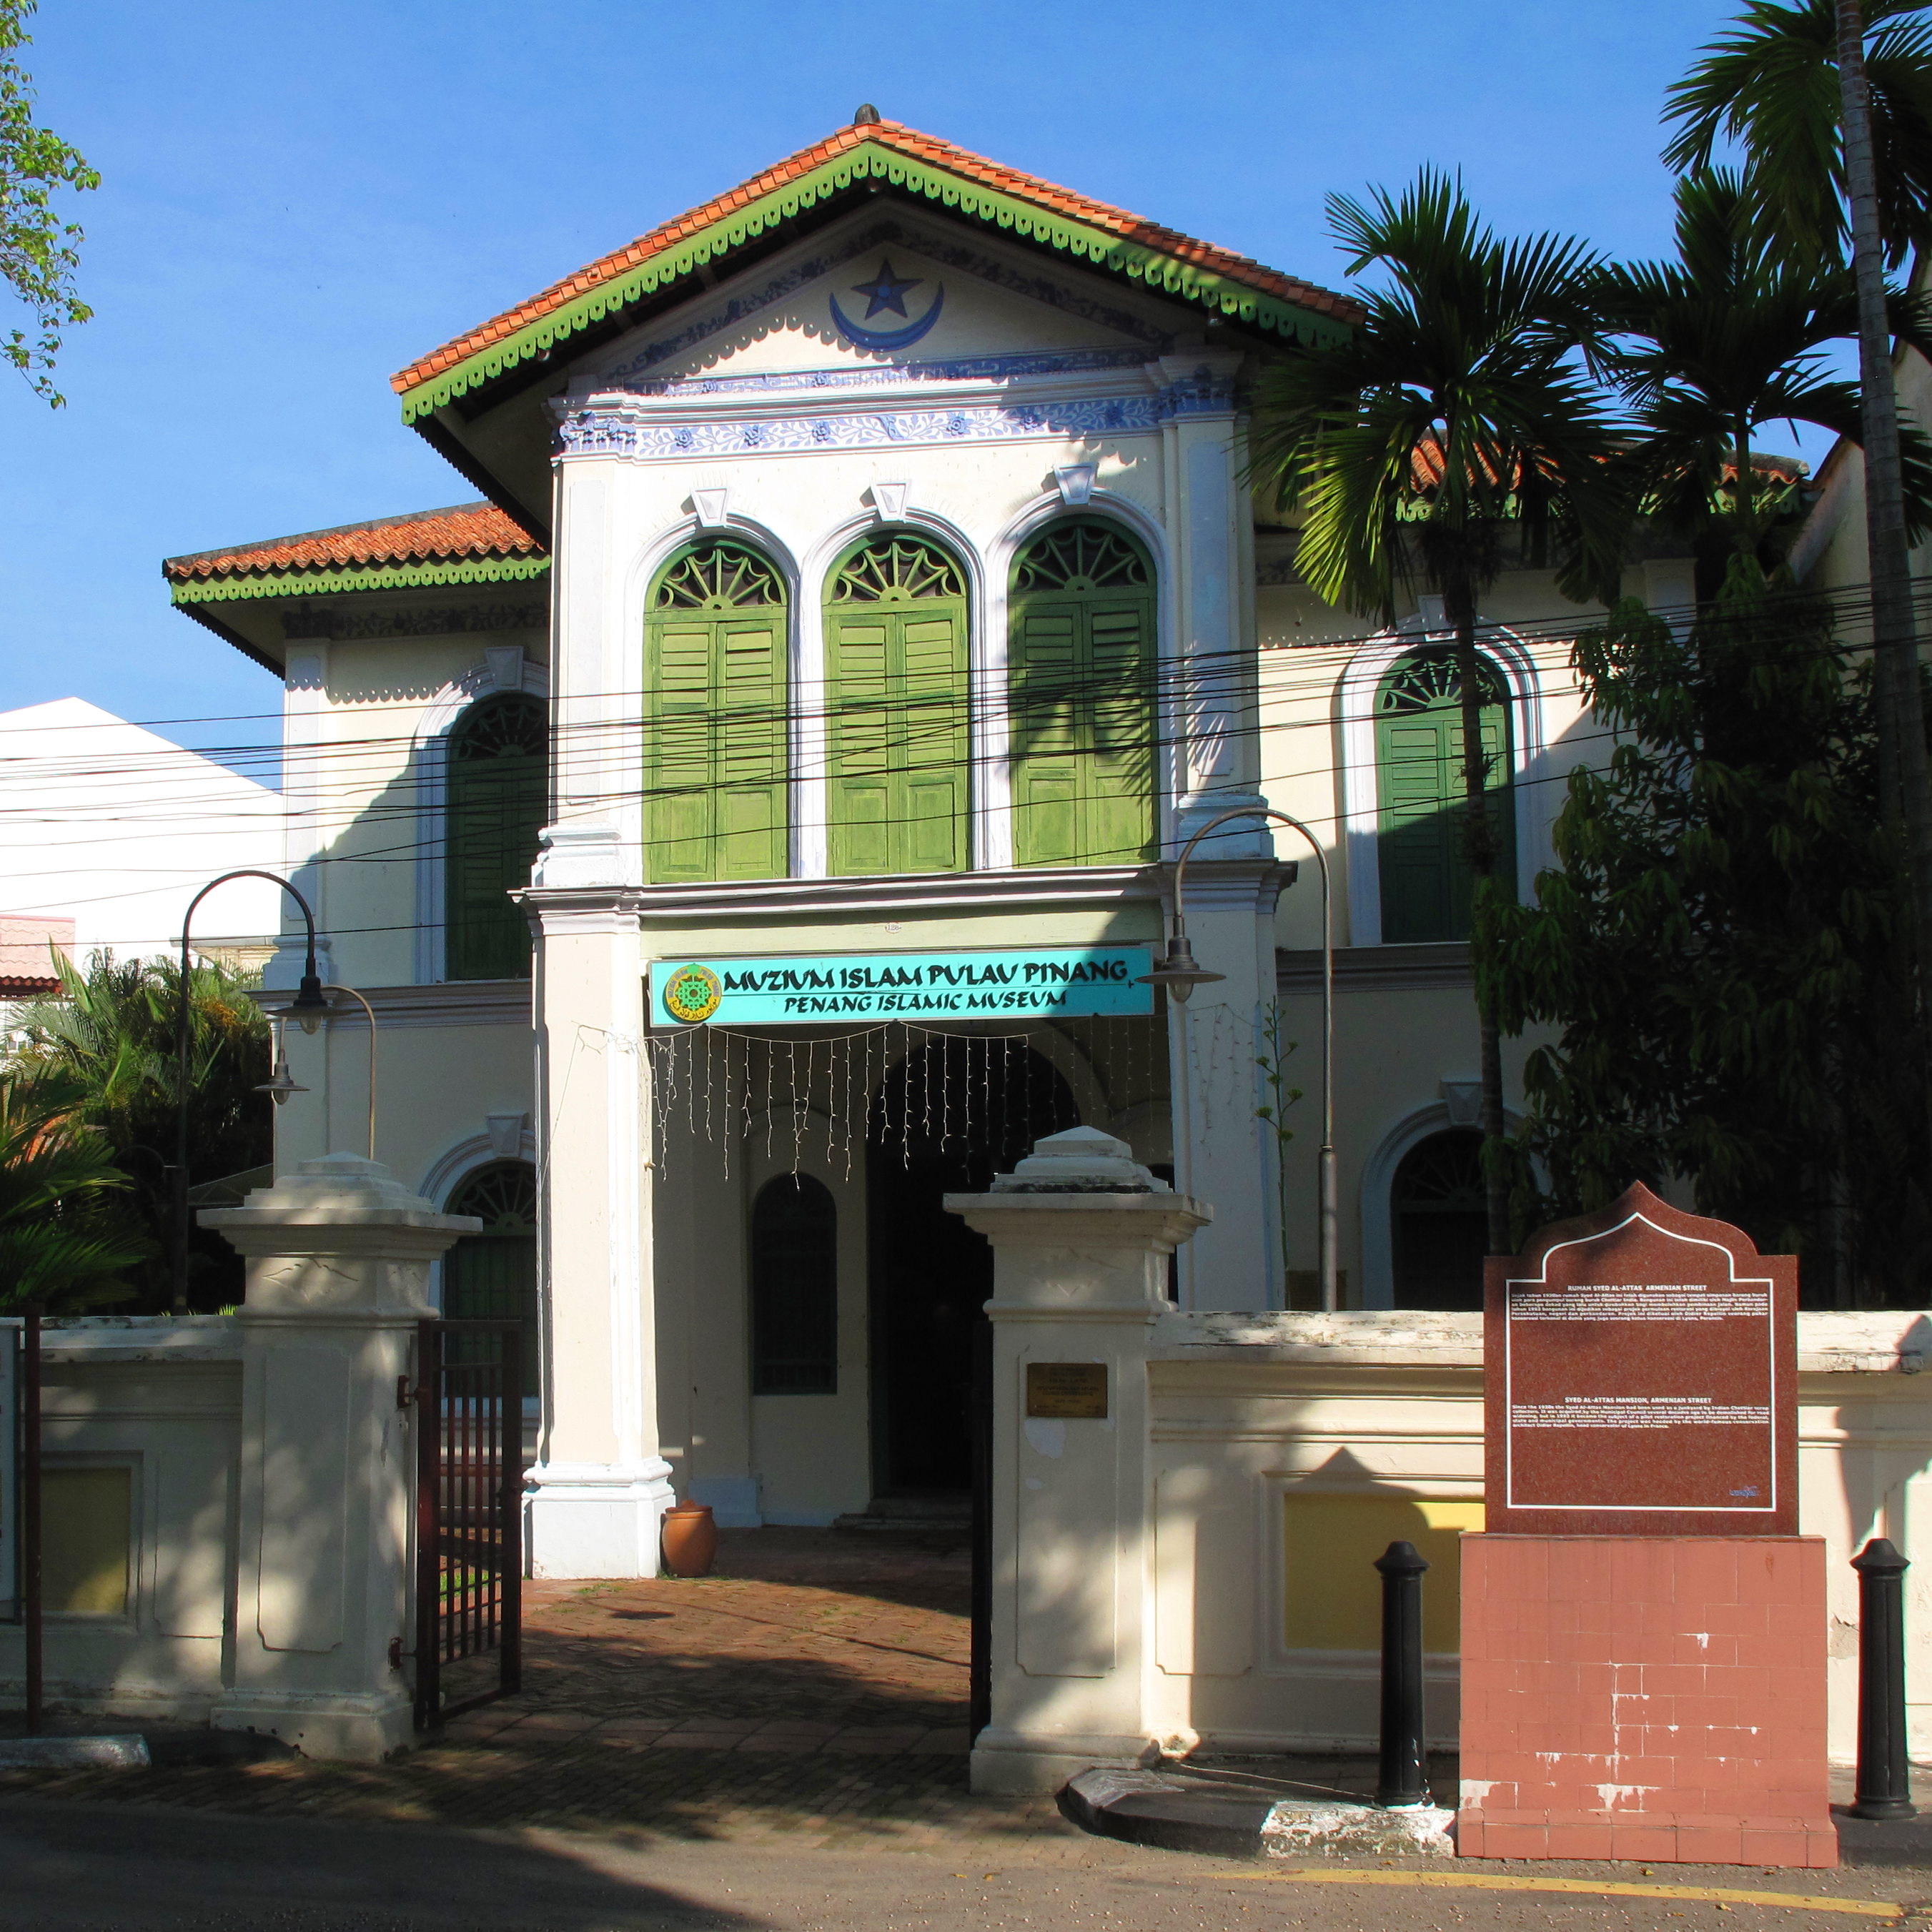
(338, 1253)
(1081, 1237)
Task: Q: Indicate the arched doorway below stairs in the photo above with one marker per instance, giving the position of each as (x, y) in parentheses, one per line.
(1438, 1224)
(956, 1110)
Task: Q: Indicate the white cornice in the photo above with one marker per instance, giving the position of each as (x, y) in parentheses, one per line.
(913, 893)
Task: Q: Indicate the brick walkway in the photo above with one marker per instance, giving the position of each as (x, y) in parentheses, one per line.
(814, 1688)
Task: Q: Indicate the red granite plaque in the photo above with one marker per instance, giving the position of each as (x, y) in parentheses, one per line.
(1640, 1380)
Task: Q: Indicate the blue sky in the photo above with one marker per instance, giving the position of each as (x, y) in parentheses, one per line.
(297, 201)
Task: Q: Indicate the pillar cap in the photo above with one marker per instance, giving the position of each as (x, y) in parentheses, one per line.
(1082, 1160)
(337, 1188)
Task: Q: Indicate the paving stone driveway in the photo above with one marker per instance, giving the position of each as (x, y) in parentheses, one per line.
(813, 1688)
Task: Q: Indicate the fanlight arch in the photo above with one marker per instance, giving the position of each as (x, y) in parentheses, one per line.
(1081, 675)
(716, 737)
(897, 720)
(498, 804)
(492, 1276)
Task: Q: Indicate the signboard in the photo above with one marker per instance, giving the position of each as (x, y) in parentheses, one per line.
(1029, 982)
(1072, 1390)
(10, 1371)
(1641, 1380)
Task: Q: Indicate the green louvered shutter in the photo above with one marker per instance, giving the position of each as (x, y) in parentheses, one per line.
(715, 735)
(896, 726)
(1081, 677)
(1422, 853)
(498, 802)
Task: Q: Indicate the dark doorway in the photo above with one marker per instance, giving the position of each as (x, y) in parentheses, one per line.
(958, 1110)
(1438, 1223)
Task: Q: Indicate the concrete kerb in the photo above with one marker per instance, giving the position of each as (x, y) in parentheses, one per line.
(1154, 1808)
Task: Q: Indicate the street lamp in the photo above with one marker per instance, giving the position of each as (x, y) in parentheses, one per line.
(1177, 969)
(371, 1012)
(309, 1008)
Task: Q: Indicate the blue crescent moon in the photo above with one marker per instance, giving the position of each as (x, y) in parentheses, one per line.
(887, 338)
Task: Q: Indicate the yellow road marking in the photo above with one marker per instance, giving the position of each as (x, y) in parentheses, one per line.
(1864, 1908)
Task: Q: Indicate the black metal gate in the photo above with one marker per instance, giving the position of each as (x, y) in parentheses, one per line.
(469, 1398)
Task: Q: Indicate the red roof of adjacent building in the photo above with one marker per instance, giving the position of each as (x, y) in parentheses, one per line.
(423, 536)
(926, 148)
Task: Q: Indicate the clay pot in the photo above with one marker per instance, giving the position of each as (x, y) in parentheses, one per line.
(690, 1540)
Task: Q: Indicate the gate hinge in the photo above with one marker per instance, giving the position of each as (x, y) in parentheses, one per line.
(397, 1653)
(406, 1392)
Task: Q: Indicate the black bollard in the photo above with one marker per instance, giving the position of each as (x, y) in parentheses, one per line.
(1402, 1781)
(1885, 1777)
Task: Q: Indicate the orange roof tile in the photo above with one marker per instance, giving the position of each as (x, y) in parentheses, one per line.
(423, 536)
(926, 147)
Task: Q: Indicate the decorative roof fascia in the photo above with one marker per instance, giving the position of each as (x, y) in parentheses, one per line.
(368, 576)
(427, 385)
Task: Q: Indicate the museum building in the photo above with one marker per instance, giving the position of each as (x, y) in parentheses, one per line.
(753, 819)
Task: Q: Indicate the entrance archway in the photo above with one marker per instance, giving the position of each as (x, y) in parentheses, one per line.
(958, 1109)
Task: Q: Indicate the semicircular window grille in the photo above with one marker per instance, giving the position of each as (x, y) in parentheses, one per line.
(1082, 557)
(1429, 678)
(897, 570)
(717, 576)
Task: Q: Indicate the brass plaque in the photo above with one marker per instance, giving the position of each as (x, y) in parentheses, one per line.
(1068, 1389)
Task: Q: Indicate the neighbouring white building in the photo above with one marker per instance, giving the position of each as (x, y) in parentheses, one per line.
(114, 829)
(867, 601)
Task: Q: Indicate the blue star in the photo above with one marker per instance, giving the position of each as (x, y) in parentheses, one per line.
(886, 293)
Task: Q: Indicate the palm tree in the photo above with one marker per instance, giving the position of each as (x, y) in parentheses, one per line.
(66, 1238)
(1456, 413)
(1830, 102)
(110, 1035)
(1708, 348)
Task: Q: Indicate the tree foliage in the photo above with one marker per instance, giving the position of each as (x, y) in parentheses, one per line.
(1708, 348)
(109, 1038)
(1771, 86)
(1722, 951)
(39, 252)
(67, 1234)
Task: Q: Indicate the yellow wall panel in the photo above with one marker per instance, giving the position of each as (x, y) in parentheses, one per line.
(1333, 1592)
(87, 1518)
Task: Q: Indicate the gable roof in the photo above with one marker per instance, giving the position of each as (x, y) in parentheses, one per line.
(1109, 238)
(467, 543)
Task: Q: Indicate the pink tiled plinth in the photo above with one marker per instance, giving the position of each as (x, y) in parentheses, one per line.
(1660, 1698)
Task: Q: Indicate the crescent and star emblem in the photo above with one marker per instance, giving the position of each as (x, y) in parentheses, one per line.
(886, 294)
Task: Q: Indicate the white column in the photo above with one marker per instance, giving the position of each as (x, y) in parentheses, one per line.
(600, 1486)
(1081, 1237)
(338, 1254)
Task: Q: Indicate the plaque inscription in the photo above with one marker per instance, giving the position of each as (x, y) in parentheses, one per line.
(1639, 1379)
(1072, 1391)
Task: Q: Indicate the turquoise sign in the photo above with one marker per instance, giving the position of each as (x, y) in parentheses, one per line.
(1033, 983)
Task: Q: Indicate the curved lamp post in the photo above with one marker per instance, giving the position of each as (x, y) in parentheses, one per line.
(309, 1008)
(371, 1012)
(1177, 970)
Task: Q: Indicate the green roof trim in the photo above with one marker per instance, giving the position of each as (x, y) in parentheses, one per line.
(1158, 270)
(361, 577)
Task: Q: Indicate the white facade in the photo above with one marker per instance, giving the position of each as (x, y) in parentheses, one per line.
(116, 828)
(1028, 385)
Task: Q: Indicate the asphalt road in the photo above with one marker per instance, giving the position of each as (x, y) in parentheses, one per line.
(77, 1867)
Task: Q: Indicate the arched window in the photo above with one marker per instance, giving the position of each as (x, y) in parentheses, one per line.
(1438, 1222)
(493, 1276)
(1081, 685)
(1422, 853)
(499, 795)
(896, 736)
(794, 1289)
(715, 739)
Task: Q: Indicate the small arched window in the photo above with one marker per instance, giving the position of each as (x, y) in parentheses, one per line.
(1422, 853)
(794, 1289)
(896, 725)
(714, 737)
(1081, 677)
(499, 796)
(492, 1277)
(1439, 1222)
